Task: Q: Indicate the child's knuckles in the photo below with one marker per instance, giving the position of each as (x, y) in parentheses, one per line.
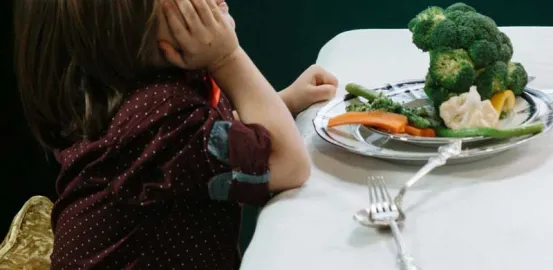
(180, 33)
(193, 48)
(315, 68)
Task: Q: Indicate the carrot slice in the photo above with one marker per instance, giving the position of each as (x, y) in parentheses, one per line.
(390, 122)
(428, 132)
(421, 132)
(413, 131)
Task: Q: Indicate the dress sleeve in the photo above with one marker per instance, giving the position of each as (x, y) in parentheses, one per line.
(190, 150)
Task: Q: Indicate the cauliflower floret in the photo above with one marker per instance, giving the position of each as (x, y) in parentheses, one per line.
(468, 111)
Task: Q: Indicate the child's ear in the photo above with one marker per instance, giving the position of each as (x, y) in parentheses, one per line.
(171, 54)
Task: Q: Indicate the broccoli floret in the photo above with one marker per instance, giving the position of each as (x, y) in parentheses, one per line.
(421, 35)
(483, 53)
(454, 15)
(423, 25)
(459, 7)
(465, 36)
(493, 79)
(452, 69)
(517, 78)
(482, 26)
(505, 49)
(445, 35)
(466, 48)
(429, 14)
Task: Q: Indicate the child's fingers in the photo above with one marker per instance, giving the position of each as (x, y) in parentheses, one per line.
(171, 54)
(329, 78)
(215, 11)
(176, 25)
(188, 13)
(323, 76)
(324, 92)
(204, 12)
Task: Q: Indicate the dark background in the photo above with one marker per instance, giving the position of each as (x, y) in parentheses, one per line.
(283, 37)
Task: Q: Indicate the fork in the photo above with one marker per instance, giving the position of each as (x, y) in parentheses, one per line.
(384, 212)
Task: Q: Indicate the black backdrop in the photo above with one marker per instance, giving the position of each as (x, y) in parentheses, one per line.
(283, 37)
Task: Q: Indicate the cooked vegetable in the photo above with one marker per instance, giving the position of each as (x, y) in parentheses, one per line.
(435, 92)
(483, 27)
(452, 69)
(468, 111)
(420, 132)
(461, 28)
(445, 35)
(517, 78)
(504, 101)
(483, 53)
(417, 117)
(467, 81)
(462, 7)
(423, 24)
(492, 132)
(360, 91)
(493, 79)
(457, 27)
(391, 122)
(434, 14)
(505, 48)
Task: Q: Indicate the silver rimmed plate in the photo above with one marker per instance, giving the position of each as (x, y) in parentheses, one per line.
(367, 142)
(411, 94)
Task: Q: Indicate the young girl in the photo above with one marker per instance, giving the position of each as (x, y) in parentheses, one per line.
(155, 166)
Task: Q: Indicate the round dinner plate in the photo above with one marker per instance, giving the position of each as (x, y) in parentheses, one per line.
(371, 142)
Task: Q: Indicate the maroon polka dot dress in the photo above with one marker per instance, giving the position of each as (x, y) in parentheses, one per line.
(163, 188)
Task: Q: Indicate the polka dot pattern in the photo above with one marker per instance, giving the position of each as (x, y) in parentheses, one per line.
(138, 198)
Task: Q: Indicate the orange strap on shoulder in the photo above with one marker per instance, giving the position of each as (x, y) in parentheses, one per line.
(215, 94)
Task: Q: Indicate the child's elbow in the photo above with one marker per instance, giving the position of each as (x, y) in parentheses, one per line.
(290, 172)
(301, 171)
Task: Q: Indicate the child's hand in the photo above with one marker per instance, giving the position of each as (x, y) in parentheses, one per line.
(314, 85)
(205, 37)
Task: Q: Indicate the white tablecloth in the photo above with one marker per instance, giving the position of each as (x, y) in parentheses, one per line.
(493, 214)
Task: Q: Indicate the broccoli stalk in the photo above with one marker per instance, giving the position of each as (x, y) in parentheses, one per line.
(435, 92)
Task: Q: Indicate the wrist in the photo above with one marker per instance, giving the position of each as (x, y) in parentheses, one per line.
(227, 60)
(288, 99)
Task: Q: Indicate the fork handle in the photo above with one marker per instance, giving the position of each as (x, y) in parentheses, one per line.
(405, 261)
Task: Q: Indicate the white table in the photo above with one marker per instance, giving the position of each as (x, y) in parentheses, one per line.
(312, 228)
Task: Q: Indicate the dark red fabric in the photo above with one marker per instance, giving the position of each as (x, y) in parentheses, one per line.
(138, 197)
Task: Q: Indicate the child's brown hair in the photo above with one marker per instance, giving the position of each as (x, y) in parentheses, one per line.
(75, 60)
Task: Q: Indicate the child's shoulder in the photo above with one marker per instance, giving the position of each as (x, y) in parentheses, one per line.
(165, 86)
(158, 96)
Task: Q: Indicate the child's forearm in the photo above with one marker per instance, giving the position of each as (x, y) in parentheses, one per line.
(288, 100)
(282, 94)
(256, 101)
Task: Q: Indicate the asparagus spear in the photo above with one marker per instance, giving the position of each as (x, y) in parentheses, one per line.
(491, 132)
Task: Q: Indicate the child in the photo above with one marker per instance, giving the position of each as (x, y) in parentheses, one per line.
(155, 166)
